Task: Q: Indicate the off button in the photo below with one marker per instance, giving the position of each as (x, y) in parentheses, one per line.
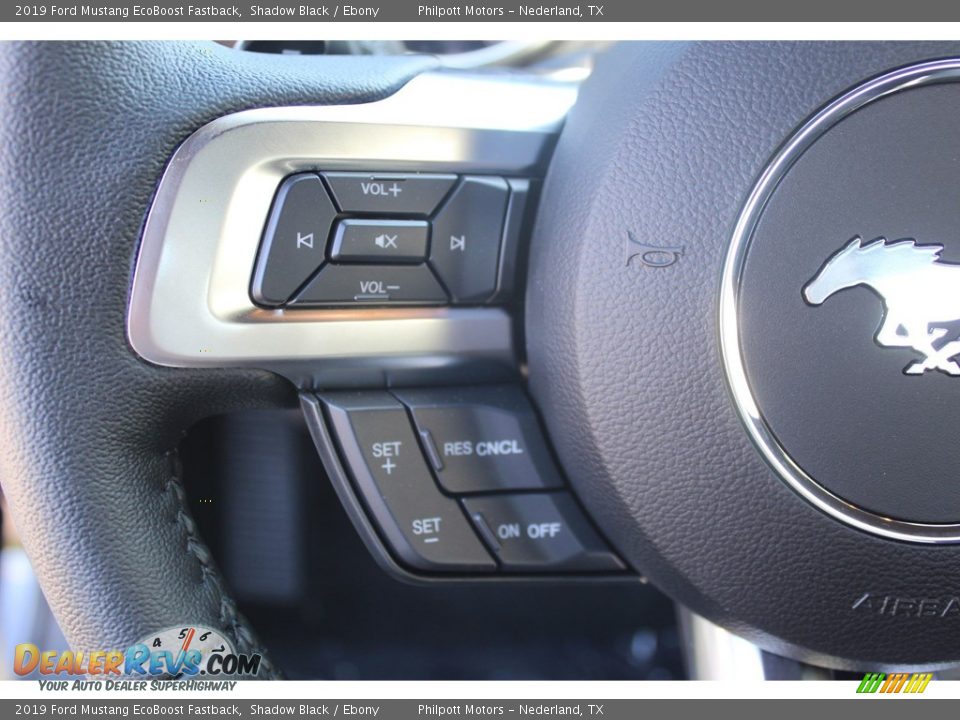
(482, 438)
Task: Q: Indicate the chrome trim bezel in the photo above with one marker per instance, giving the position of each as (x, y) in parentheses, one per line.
(189, 302)
(927, 73)
(712, 653)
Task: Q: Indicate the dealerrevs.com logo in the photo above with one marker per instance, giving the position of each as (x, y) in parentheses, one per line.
(175, 653)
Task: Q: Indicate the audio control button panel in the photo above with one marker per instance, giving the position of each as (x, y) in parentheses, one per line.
(331, 236)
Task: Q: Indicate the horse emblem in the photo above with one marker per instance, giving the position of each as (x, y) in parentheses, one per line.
(919, 292)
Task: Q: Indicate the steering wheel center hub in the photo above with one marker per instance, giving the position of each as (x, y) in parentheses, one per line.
(842, 307)
(662, 354)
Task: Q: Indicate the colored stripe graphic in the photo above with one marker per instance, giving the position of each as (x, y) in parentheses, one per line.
(894, 683)
(918, 683)
(870, 683)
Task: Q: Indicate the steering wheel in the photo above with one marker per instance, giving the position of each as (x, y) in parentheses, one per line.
(710, 369)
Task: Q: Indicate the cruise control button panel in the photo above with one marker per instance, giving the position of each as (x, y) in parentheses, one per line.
(461, 232)
(426, 529)
(480, 519)
(483, 438)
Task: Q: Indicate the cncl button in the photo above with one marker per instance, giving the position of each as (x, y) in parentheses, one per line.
(486, 448)
(482, 438)
(536, 532)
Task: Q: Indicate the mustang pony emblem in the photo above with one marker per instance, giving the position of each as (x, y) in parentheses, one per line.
(919, 291)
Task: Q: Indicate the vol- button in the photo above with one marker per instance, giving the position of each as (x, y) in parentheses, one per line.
(372, 284)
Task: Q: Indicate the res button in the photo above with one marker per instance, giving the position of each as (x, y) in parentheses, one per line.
(482, 438)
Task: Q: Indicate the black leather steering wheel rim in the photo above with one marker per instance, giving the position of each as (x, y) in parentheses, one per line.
(88, 449)
(90, 429)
